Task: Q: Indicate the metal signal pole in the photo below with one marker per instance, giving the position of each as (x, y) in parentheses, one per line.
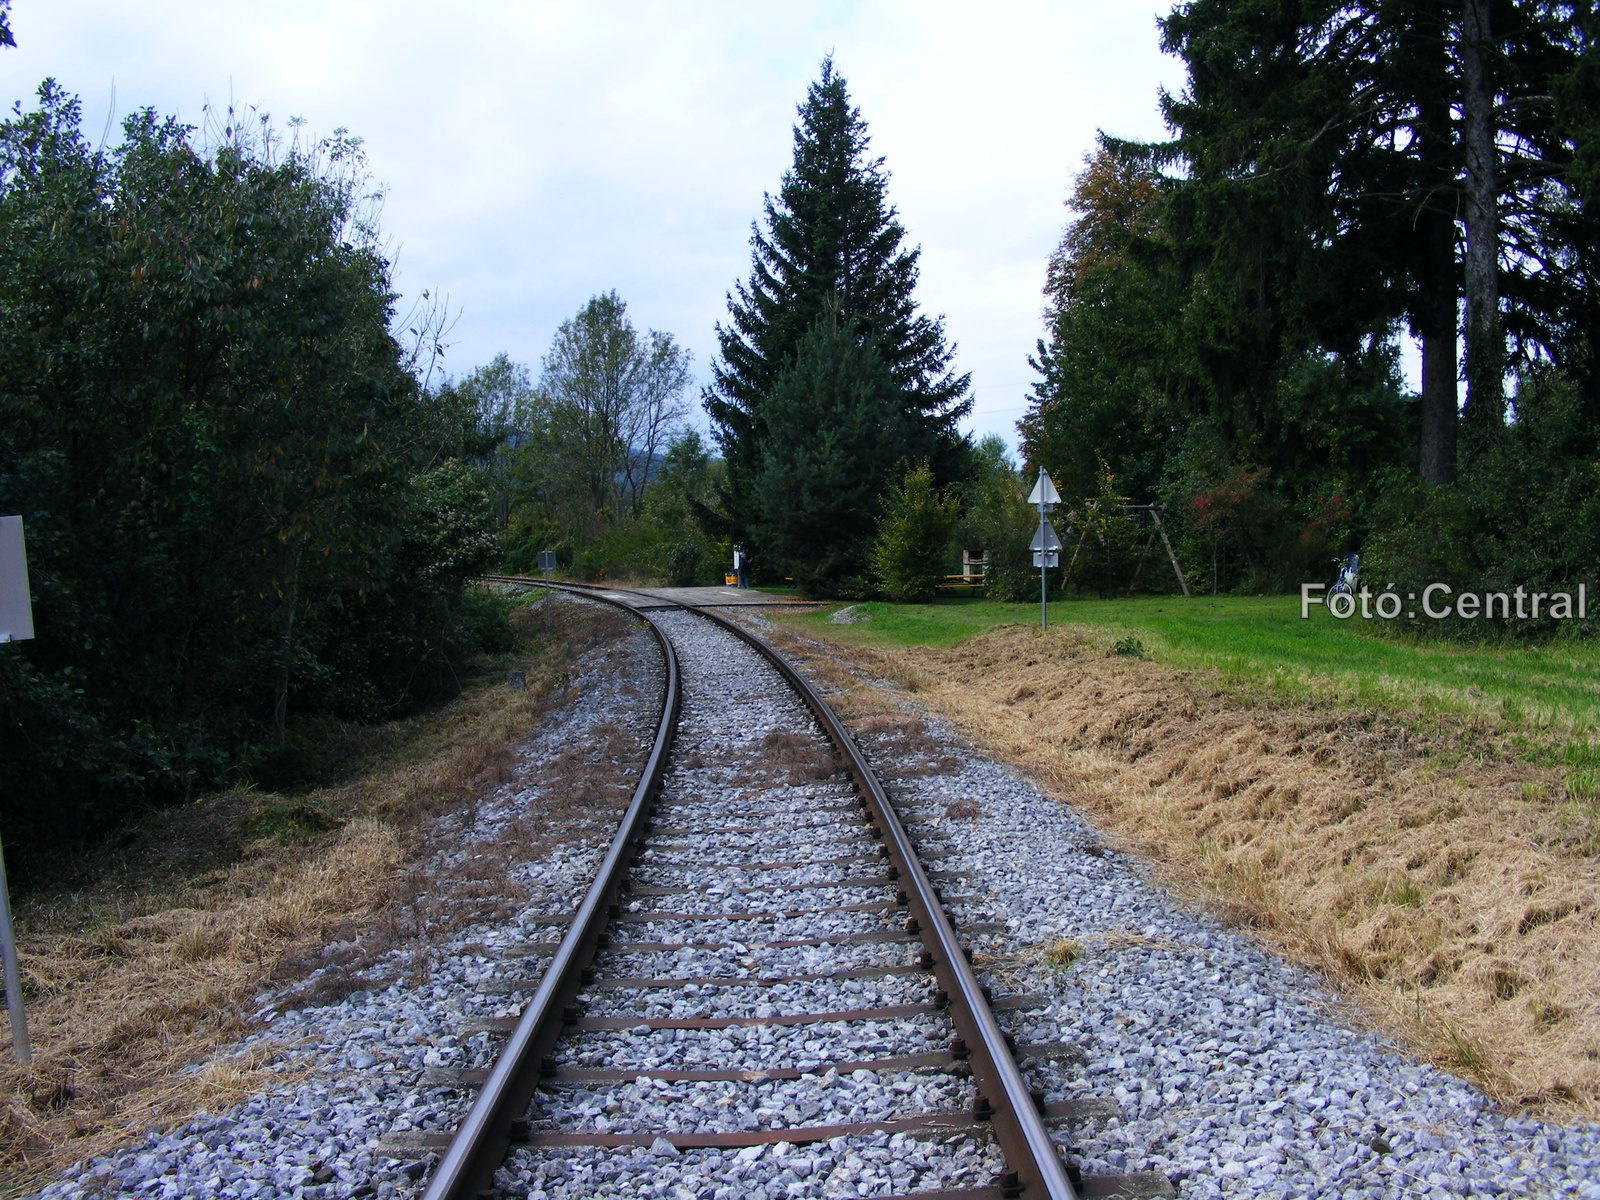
(1046, 545)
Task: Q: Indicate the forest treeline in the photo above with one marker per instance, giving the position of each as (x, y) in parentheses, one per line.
(1224, 319)
(835, 460)
(240, 500)
(1225, 306)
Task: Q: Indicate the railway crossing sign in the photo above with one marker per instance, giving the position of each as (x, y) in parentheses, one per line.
(1046, 546)
(547, 563)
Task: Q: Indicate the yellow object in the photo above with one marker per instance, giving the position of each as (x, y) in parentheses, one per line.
(731, 580)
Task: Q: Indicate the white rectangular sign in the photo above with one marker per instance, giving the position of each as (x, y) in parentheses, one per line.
(16, 611)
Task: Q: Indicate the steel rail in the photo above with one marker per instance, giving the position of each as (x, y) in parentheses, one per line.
(1035, 1164)
(482, 1140)
(1018, 1125)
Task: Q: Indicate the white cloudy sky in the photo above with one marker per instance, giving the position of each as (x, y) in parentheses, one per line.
(537, 153)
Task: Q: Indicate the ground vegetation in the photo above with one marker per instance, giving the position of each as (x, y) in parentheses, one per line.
(242, 501)
(1428, 844)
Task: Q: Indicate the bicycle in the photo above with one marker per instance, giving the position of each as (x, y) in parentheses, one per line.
(1345, 577)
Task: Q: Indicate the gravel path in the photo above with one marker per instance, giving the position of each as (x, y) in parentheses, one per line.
(367, 1065)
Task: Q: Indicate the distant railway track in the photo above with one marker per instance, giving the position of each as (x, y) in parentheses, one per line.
(771, 886)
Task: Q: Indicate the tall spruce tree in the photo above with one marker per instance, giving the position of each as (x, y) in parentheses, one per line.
(1338, 155)
(835, 434)
(830, 252)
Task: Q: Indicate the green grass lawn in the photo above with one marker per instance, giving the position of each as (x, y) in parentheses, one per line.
(1261, 641)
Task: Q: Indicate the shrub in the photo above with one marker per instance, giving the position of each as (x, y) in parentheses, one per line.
(908, 555)
(683, 563)
(1524, 511)
(1129, 647)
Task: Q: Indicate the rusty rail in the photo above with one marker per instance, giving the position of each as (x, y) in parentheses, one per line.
(1035, 1166)
(481, 1141)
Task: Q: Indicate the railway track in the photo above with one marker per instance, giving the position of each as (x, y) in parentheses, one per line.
(762, 981)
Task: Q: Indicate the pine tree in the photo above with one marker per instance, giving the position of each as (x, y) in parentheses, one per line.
(834, 436)
(1336, 153)
(908, 556)
(830, 236)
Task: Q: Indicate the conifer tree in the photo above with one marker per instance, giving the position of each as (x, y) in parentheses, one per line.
(830, 236)
(834, 433)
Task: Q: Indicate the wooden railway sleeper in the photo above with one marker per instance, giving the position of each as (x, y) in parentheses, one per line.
(1034, 1164)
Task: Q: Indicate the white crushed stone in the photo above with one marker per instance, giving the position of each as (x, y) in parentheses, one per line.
(729, 805)
(369, 1054)
(1233, 1072)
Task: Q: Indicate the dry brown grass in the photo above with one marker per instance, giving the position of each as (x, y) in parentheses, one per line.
(803, 757)
(1453, 896)
(140, 975)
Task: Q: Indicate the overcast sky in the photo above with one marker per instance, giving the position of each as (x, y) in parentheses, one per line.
(535, 154)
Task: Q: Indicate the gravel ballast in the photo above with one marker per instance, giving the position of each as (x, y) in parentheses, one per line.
(362, 1070)
(1230, 1071)
(1207, 1059)
(753, 784)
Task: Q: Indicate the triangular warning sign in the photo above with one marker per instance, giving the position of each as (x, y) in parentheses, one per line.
(1044, 491)
(1045, 538)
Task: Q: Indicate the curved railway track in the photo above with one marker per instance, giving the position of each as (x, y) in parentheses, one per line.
(761, 873)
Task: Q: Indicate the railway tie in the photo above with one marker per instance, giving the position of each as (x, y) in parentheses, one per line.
(650, 877)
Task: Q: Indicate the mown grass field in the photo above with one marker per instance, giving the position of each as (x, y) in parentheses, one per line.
(1261, 641)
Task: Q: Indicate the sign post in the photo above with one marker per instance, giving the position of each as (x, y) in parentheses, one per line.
(547, 563)
(1046, 545)
(16, 625)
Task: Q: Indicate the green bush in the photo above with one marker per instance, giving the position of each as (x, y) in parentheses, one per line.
(683, 563)
(229, 475)
(1525, 511)
(1010, 574)
(908, 554)
(483, 624)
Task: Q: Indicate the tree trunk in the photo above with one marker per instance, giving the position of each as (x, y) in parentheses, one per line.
(1485, 407)
(1439, 406)
(1435, 318)
(1436, 325)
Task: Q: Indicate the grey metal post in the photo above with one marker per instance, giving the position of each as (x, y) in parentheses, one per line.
(1043, 559)
(1045, 495)
(13, 975)
(16, 625)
